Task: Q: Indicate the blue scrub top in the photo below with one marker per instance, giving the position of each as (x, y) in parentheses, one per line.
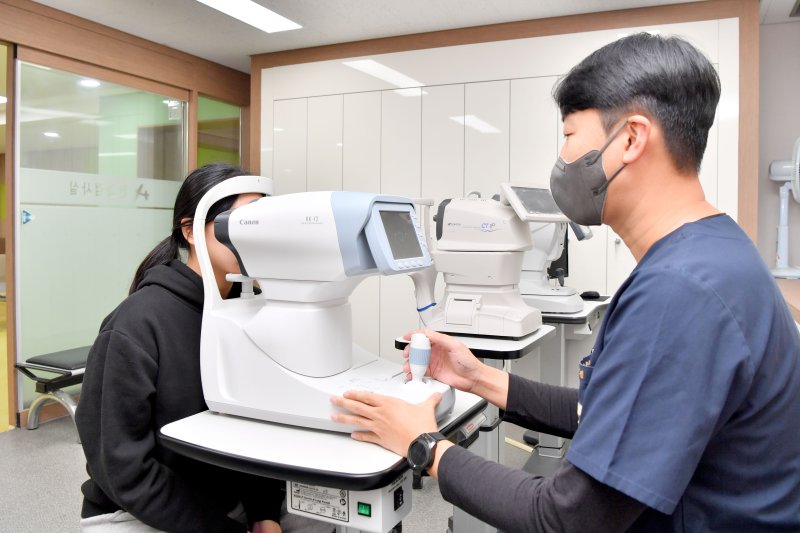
(690, 399)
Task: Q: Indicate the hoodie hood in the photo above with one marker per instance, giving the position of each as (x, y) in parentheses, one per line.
(178, 279)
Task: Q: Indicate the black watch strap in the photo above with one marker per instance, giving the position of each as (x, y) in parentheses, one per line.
(422, 449)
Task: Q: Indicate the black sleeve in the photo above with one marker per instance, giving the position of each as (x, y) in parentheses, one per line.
(261, 497)
(540, 407)
(116, 430)
(516, 501)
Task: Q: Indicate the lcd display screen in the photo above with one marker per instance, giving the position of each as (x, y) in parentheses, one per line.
(401, 234)
(537, 201)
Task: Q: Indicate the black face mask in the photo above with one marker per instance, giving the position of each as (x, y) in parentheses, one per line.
(579, 188)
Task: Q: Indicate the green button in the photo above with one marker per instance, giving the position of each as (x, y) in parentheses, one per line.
(364, 509)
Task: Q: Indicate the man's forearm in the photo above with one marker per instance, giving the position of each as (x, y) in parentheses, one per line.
(492, 386)
(514, 500)
(547, 408)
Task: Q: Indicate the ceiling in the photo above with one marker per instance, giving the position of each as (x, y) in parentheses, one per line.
(194, 28)
(197, 29)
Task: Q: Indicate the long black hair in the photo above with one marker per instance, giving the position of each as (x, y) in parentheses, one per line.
(197, 183)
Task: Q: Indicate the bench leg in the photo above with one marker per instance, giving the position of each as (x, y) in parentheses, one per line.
(56, 396)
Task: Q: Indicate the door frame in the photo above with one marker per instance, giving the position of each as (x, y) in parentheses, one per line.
(8, 227)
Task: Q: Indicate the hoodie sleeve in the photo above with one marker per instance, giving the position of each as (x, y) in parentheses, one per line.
(262, 498)
(115, 423)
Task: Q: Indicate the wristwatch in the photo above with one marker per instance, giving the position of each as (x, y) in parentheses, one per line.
(421, 450)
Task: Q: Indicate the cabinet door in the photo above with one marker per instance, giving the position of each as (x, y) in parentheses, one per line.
(400, 174)
(709, 167)
(620, 262)
(486, 145)
(289, 162)
(400, 141)
(442, 142)
(325, 143)
(361, 171)
(587, 261)
(533, 131)
(442, 150)
(361, 150)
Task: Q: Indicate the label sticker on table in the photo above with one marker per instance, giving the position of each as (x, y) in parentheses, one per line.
(321, 501)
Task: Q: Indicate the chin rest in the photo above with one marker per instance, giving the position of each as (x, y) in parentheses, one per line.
(68, 365)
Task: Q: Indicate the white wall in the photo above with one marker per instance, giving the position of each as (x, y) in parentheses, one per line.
(779, 126)
(407, 141)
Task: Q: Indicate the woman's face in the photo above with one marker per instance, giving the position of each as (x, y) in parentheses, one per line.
(222, 259)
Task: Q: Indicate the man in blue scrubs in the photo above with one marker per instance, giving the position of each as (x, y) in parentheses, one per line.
(686, 416)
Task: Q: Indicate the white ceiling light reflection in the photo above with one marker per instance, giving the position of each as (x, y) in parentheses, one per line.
(89, 83)
(413, 91)
(387, 74)
(51, 134)
(3, 100)
(471, 121)
(253, 14)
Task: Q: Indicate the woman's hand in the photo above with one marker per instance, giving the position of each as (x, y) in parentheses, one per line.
(451, 362)
(387, 421)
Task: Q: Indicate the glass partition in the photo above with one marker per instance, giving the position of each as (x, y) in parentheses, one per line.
(218, 132)
(98, 169)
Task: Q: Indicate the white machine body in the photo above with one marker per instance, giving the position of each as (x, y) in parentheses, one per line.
(280, 355)
(548, 227)
(535, 286)
(479, 248)
(374, 511)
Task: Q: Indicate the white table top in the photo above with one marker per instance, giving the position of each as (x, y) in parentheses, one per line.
(579, 317)
(496, 348)
(294, 453)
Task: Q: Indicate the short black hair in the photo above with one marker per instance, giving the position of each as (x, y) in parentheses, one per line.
(664, 78)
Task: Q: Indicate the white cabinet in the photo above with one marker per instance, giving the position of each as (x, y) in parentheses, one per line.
(289, 159)
(442, 149)
(361, 171)
(587, 261)
(361, 156)
(487, 116)
(533, 131)
(599, 264)
(401, 141)
(709, 166)
(324, 157)
(620, 262)
(486, 121)
(401, 131)
(442, 142)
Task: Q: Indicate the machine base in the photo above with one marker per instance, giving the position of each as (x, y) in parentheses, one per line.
(786, 273)
(375, 511)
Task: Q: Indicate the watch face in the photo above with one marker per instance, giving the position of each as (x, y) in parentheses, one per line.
(418, 454)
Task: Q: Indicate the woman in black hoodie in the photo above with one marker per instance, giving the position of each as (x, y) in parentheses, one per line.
(143, 372)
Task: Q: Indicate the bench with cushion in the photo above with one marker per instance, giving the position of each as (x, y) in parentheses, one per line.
(68, 365)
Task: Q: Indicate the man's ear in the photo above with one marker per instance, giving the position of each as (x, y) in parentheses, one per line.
(186, 229)
(638, 130)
